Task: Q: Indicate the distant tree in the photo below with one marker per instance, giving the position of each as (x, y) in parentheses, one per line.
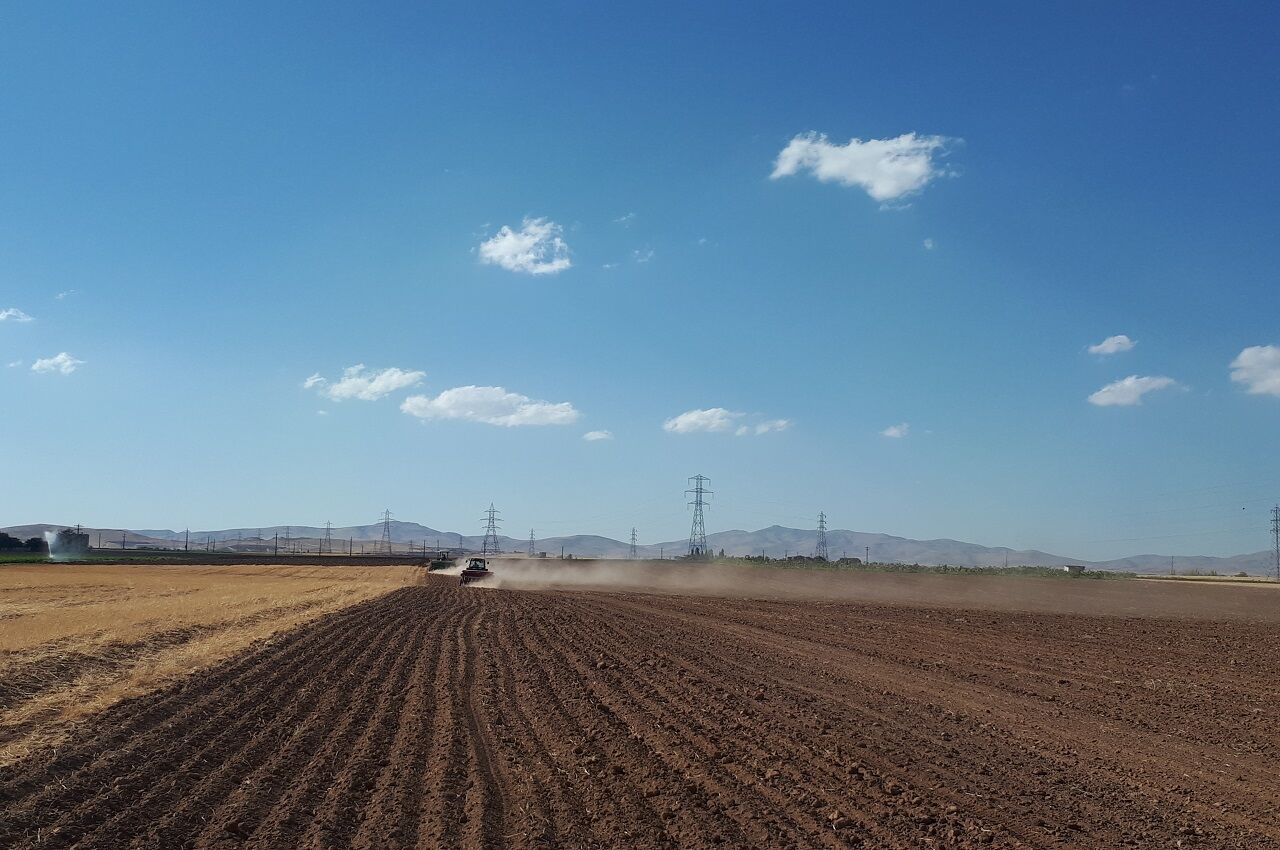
(8, 542)
(36, 544)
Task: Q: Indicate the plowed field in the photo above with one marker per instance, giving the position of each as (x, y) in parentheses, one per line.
(439, 716)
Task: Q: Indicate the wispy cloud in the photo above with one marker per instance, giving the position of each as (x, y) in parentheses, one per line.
(1258, 368)
(13, 314)
(1113, 345)
(897, 432)
(886, 169)
(642, 255)
(1129, 391)
(14, 364)
(625, 220)
(65, 294)
(766, 427)
(358, 383)
(537, 248)
(719, 420)
(595, 436)
(491, 405)
(928, 244)
(709, 420)
(63, 363)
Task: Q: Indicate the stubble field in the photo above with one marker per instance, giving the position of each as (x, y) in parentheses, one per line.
(501, 717)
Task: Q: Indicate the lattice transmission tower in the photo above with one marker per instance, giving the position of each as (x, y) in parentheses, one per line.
(384, 545)
(327, 545)
(531, 543)
(490, 544)
(633, 544)
(698, 531)
(1275, 537)
(821, 551)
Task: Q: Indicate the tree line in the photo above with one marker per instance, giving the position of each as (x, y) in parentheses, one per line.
(9, 543)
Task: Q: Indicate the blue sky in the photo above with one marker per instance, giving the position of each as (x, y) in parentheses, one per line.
(202, 208)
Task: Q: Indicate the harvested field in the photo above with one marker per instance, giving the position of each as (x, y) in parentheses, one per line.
(75, 639)
(439, 716)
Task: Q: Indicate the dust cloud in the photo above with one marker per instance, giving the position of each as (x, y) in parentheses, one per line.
(1114, 597)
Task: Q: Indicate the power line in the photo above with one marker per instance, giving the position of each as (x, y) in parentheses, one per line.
(698, 531)
(490, 544)
(1275, 536)
(821, 551)
(384, 545)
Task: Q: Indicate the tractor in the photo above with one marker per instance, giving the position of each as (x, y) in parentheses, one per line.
(477, 569)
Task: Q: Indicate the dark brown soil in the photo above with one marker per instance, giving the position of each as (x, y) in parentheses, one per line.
(439, 716)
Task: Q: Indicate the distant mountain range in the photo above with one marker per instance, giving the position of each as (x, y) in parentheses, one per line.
(775, 541)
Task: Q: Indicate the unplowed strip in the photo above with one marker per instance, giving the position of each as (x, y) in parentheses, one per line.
(439, 716)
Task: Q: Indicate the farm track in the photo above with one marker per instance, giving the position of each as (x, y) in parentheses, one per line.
(439, 716)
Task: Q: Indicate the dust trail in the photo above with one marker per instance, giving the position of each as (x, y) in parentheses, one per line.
(1113, 597)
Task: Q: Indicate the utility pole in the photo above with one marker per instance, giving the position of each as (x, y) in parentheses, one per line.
(531, 543)
(633, 543)
(186, 540)
(490, 544)
(350, 546)
(698, 530)
(866, 555)
(1275, 536)
(122, 546)
(821, 551)
(288, 539)
(385, 544)
(275, 544)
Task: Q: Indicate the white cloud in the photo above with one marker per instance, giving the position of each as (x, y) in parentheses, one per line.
(928, 244)
(1129, 391)
(642, 256)
(536, 248)
(1113, 345)
(13, 364)
(898, 431)
(763, 427)
(63, 363)
(492, 405)
(718, 420)
(593, 436)
(14, 314)
(713, 419)
(609, 266)
(625, 220)
(1258, 368)
(366, 386)
(886, 169)
(322, 413)
(62, 296)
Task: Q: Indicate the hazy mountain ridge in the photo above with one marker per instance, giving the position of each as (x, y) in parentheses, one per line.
(775, 541)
